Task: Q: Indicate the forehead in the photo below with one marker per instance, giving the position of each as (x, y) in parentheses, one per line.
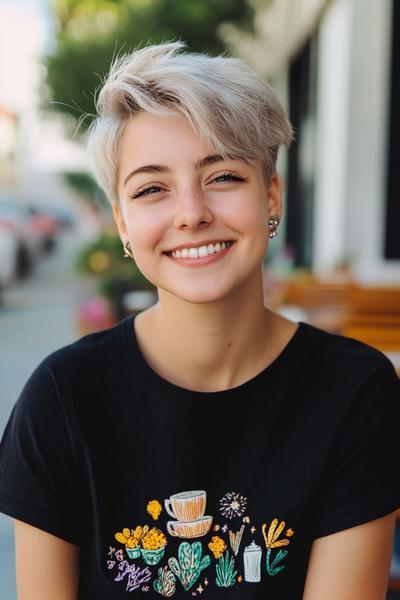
(147, 136)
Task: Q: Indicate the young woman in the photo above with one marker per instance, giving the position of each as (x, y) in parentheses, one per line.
(208, 446)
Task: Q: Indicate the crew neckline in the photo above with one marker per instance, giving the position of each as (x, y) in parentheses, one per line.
(178, 392)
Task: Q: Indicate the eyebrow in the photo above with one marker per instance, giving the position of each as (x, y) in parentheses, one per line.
(203, 162)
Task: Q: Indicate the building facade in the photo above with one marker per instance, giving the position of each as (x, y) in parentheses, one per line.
(336, 64)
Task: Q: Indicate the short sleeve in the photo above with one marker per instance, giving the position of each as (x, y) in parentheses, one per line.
(37, 462)
(362, 480)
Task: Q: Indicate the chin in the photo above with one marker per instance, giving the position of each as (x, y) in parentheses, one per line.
(196, 296)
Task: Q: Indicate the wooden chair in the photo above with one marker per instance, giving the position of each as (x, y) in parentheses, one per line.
(374, 317)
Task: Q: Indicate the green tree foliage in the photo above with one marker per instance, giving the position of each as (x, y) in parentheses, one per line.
(92, 32)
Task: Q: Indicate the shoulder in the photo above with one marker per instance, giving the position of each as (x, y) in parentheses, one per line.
(348, 359)
(77, 367)
(90, 353)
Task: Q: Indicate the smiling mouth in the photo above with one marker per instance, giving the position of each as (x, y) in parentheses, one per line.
(200, 251)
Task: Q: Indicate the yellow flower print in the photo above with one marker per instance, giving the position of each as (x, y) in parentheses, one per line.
(153, 539)
(131, 539)
(217, 546)
(274, 531)
(154, 509)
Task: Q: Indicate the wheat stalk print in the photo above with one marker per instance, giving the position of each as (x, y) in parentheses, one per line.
(235, 539)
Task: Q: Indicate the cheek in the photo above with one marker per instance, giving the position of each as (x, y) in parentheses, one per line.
(144, 230)
(249, 214)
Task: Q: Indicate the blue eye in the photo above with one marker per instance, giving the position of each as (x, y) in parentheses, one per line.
(152, 189)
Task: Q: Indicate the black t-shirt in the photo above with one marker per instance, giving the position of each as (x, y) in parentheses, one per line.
(178, 493)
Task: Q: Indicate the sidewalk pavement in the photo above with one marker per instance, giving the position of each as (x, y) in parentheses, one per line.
(36, 317)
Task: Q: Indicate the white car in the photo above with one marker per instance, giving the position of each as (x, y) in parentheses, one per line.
(8, 255)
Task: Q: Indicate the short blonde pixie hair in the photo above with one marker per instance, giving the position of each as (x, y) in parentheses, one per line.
(227, 103)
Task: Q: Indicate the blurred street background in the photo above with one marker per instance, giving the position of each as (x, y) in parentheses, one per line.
(336, 262)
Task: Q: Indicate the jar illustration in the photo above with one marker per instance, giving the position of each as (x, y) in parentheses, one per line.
(252, 563)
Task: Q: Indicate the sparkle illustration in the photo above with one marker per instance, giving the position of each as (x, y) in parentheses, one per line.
(233, 505)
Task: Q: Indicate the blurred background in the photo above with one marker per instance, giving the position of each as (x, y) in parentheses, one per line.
(336, 262)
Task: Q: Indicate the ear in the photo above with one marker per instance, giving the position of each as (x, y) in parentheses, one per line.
(119, 221)
(275, 196)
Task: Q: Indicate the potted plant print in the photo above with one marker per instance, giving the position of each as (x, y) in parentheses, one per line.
(153, 545)
(131, 539)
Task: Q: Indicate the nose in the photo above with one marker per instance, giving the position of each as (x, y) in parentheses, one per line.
(192, 209)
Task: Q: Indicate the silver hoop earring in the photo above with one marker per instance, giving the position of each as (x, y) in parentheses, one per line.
(128, 250)
(273, 223)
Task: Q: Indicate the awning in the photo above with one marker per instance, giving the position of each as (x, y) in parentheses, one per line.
(281, 29)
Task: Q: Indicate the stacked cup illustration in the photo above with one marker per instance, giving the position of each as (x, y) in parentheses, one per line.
(188, 509)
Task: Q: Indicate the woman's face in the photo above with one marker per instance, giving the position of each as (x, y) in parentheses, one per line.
(176, 193)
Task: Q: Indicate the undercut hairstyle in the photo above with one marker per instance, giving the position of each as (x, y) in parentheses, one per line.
(227, 103)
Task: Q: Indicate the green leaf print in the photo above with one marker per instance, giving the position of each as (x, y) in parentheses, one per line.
(226, 576)
(271, 567)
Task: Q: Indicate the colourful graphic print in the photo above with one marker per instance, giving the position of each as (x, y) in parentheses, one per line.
(145, 546)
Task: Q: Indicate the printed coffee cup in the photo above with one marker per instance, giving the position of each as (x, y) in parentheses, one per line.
(186, 506)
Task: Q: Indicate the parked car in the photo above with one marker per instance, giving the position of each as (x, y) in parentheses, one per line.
(63, 216)
(45, 226)
(16, 220)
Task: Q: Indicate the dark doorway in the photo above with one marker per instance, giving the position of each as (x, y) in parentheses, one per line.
(392, 225)
(301, 164)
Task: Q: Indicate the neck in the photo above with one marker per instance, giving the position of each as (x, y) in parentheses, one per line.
(210, 346)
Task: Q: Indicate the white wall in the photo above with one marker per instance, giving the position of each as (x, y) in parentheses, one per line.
(368, 140)
(329, 246)
(353, 104)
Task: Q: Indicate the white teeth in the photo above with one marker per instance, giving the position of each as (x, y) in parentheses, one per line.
(201, 251)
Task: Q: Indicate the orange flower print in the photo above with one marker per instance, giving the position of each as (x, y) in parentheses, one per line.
(289, 532)
(154, 509)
